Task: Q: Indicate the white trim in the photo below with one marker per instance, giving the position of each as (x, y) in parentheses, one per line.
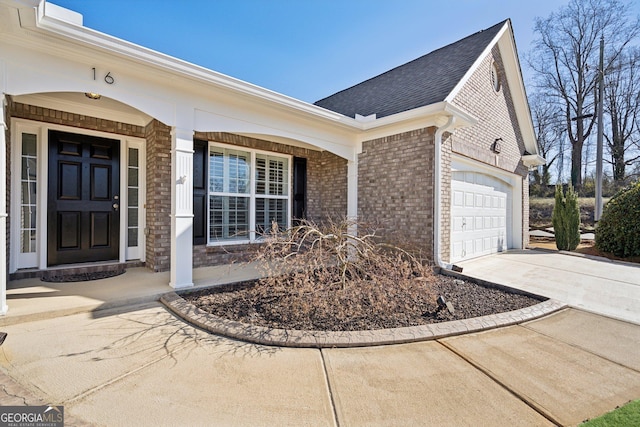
(18, 126)
(18, 260)
(104, 108)
(476, 64)
(140, 251)
(3, 206)
(252, 195)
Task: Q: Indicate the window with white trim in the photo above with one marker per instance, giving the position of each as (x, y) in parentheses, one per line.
(249, 190)
(28, 199)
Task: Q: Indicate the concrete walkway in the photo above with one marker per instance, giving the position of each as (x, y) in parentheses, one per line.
(121, 359)
(593, 284)
(145, 367)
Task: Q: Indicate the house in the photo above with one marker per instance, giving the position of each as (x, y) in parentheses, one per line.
(116, 154)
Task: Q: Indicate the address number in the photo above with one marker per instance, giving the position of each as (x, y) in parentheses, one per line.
(108, 78)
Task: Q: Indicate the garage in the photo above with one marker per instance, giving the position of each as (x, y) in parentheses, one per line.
(480, 214)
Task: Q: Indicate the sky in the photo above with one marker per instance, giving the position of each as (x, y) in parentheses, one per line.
(306, 49)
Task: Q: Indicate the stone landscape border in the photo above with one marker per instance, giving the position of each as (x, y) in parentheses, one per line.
(331, 339)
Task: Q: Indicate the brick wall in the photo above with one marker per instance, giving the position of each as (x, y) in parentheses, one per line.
(445, 198)
(395, 187)
(496, 119)
(326, 187)
(158, 242)
(326, 190)
(326, 179)
(47, 115)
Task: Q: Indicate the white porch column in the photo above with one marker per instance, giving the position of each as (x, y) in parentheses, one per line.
(181, 208)
(352, 192)
(3, 208)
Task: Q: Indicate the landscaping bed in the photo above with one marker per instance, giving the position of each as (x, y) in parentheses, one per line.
(331, 309)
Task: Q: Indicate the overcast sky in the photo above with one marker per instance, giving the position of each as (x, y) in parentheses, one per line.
(307, 49)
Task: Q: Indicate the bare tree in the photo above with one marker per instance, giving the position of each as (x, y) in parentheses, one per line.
(549, 127)
(622, 105)
(565, 58)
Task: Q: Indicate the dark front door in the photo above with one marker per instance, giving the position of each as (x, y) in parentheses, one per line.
(83, 202)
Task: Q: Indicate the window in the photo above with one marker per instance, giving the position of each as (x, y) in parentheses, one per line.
(133, 187)
(495, 77)
(248, 191)
(28, 193)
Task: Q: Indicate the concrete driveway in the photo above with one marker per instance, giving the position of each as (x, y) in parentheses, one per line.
(144, 367)
(140, 365)
(590, 283)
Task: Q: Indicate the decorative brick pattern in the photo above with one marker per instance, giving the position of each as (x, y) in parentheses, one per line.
(396, 185)
(326, 191)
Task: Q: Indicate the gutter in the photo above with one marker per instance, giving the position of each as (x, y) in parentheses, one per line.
(438, 193)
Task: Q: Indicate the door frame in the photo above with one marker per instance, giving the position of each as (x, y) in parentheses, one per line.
(41, 130)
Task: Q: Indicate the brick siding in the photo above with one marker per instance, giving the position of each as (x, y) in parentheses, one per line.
(158, 242)
(326, 190)
(496, 119)
(395, 188)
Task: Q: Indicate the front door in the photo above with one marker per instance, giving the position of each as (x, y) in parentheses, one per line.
(83, 200)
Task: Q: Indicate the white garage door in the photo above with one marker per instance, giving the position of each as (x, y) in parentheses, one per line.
(479, 215)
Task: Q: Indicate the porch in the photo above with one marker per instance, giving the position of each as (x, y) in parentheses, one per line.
(33, 299)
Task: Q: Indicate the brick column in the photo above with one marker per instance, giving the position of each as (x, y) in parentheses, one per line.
(181, 208)
(3, 207)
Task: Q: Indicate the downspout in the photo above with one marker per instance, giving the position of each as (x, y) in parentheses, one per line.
(438, 193)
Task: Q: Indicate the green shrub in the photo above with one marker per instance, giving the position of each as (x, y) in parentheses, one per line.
(618, 231)
(566, 219)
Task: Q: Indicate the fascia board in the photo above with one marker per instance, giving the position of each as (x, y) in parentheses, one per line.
(437, 109)
(518, 92)
(476, 64)
(533, 160)
(505, 40)
(430, 115)
(37, 19)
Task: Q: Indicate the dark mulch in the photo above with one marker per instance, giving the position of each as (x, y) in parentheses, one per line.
(81, 277)
(355, 311)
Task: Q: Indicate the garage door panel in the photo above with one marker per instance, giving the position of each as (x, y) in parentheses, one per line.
(458, 198)
(479, 215)
(469, 199)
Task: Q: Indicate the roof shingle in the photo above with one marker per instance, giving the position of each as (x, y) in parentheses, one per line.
(423, 81)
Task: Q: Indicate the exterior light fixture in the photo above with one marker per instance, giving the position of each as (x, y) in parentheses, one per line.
(496, 147)
(92, 95)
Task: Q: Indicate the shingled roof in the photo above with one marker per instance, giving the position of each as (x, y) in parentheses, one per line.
(423, 81)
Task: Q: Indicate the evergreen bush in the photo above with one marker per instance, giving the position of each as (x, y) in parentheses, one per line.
(566, 219)
(618, 231)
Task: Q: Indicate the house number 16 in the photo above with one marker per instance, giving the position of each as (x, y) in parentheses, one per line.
(108, 78)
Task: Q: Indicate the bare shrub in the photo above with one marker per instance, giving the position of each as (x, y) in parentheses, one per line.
(319, 276)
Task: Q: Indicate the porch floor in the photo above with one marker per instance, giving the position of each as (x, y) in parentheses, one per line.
(33, 299)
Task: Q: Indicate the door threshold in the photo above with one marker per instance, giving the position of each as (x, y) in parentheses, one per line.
(74, 269)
